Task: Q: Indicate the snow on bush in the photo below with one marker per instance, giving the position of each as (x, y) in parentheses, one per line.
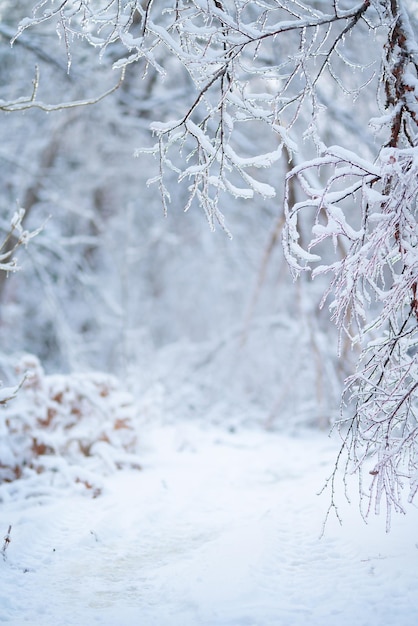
(72, 428)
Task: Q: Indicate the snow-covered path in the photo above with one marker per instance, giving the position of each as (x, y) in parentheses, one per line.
(219, 529)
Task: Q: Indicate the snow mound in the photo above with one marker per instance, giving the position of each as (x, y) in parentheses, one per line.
(71, 428)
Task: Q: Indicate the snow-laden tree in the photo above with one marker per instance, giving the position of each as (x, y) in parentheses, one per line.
(275, 82)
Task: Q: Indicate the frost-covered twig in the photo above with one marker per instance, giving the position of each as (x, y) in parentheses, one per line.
(20, 237)
(6, 542)
(25, 103)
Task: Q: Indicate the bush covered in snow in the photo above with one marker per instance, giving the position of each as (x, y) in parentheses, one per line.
(73, 427)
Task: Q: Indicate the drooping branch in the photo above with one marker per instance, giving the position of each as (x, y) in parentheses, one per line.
(374, 287)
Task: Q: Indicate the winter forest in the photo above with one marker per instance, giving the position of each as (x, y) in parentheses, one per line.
(208, 311)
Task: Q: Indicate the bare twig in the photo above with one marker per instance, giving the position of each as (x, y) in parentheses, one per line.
(6, 542)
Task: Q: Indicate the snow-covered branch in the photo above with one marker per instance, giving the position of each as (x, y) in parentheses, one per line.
(20, 237)
(371, 208)
(232, 53)
(31, 102)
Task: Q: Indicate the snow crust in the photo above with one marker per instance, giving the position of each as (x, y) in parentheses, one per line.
(218, 529)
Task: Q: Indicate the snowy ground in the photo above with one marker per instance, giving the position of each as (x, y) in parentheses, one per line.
(219, 529)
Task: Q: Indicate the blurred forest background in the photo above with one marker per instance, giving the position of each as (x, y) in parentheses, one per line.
(194, 322)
